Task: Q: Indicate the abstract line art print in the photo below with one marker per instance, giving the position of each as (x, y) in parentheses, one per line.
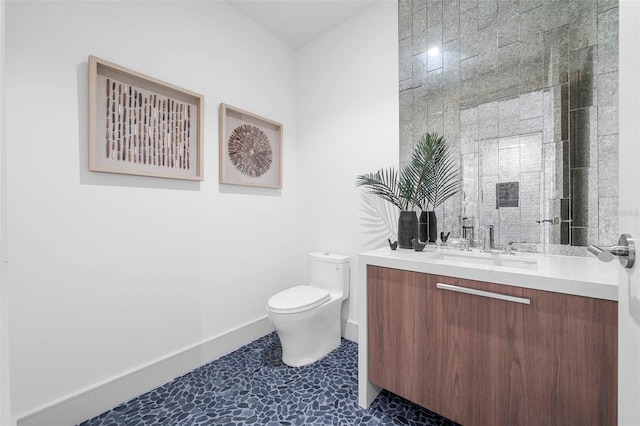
(142, 126)
(250, 149)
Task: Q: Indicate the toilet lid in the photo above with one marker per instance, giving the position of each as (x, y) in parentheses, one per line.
(297, 299)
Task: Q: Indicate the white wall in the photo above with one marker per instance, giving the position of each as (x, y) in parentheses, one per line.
(5, 400)
(629, 216)
(347, 125)
(109, 273)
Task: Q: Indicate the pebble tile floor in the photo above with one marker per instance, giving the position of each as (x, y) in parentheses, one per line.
(252, 386)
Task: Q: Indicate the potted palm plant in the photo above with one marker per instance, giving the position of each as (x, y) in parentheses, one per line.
(430, 178)
(398, 189)
(437, 178)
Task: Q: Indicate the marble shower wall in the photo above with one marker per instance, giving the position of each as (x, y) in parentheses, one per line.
(524, 91)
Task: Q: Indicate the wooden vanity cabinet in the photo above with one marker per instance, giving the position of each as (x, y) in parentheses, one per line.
(481, 361)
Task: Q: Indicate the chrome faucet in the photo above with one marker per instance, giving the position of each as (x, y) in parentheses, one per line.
(487, 239)
(464, 244)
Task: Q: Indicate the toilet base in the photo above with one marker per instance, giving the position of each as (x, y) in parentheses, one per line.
(308, 336)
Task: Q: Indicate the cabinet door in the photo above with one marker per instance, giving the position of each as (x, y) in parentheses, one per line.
(409, 343)
(484, 361)
(394, 316)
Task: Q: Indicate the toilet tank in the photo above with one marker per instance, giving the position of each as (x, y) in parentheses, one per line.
(330, 272)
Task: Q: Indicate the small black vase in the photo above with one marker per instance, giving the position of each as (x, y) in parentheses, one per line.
(428, 227)
(407, 228)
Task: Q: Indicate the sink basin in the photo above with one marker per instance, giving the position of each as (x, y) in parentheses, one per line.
(487, 259)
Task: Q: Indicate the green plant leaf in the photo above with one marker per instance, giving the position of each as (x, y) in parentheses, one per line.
(429, 179)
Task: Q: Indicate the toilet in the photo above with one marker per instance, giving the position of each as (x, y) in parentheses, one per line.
(307, 317)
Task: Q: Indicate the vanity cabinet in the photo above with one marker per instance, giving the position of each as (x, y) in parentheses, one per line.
(483, 361)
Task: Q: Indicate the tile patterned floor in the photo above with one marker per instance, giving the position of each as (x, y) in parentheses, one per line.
(252, 386)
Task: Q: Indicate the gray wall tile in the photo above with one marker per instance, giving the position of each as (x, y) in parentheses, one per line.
(405, 58)
(467, 4)
(434, 47)
(608, 223)
(508, 225)
(419, 70)
(607, 166)
(581, 135)
(419, 31)
(556, 14)
(434, 13)
(450, 20)
(583, 24)
(608, 103)
(470, 177)
(531, 125)
(508, 75)
(435, 123)
(488, 191)
(608, 41)
(487, 13)
(509, 117)
(468, 78)
(509, 164)
(531, 104)
(527, 5)
(469, 33)
(508, 22)
(435, 94)
(405, 19)
(524, 91)
(582, 77)
(489, 149)
(606, 4)
(580, 197)
(530, 196)
(531, 153)
(451, 65)
(556, 55)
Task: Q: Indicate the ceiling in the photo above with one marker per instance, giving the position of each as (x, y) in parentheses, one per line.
(297, 22)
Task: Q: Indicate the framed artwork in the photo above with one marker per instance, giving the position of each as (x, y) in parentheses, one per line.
(139, 125)
(250, 149)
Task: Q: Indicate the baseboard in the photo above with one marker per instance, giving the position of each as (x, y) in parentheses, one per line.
(350, 330)
(103, 396)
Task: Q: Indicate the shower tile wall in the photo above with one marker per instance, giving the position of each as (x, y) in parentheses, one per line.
(524, 91)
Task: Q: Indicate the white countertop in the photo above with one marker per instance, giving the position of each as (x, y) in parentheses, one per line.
(581, 276)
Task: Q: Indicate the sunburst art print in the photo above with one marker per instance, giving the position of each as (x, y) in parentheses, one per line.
(250, 149)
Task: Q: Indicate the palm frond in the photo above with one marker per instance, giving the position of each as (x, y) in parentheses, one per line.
(435, 172)
(385, 184)
(429, 179)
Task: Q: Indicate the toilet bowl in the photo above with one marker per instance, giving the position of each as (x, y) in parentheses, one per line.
(307, 317)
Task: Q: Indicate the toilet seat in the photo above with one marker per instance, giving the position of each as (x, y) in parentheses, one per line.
(297, 299)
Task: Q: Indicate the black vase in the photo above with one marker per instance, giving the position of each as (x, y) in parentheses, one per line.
(407, 228)
(428, 227)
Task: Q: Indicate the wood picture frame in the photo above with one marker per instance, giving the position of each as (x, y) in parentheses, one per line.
(139, 125)
(250, 149)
